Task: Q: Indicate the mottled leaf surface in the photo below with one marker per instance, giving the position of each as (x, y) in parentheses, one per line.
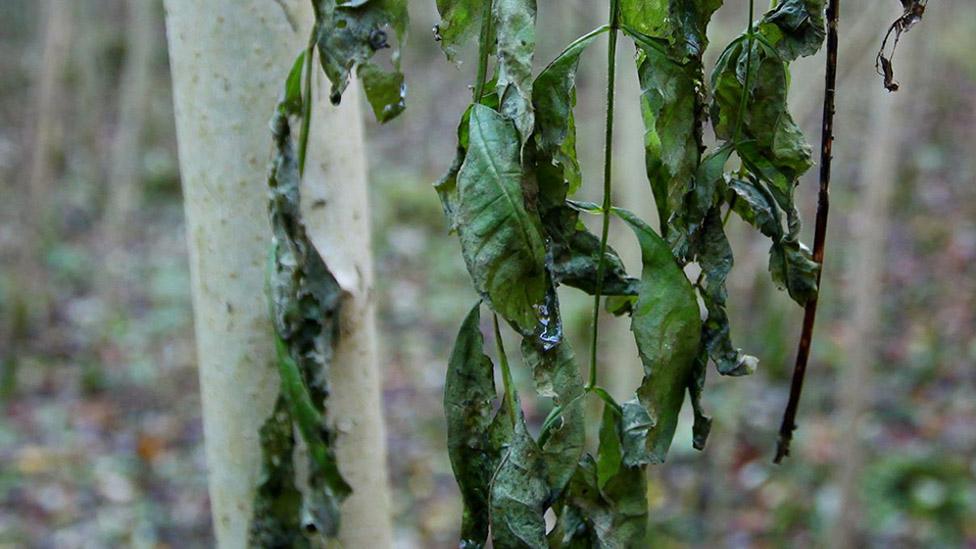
(791, 264)
(519, 492)
(348, 36)
(670, 107)
(514, 24)
(557, 376)
(305, 302)
(606, 501)
(469, 396)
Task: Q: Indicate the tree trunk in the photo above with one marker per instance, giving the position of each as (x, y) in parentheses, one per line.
(865, 277)
(123, 179)
(229, 60)
(48, 130)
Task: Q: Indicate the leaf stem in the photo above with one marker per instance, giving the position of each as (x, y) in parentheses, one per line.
(607, 185)
(558, 411)
(820, 234)
(484, 50)
(506, 369)
(744, 100)
(306, 100)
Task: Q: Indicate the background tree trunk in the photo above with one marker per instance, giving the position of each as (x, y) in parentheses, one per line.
(47, 133)
(865, 275)
(126, 159)
(229, 59)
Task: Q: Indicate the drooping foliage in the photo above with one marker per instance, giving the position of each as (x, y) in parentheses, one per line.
(305, 299)
(509, 196)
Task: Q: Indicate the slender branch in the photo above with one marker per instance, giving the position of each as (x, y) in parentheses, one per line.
(506, 369)
(823, 206)
(607, 185)
(484, 50)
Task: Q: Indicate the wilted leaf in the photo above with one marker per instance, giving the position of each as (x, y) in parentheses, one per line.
(667, 328)
(460, 23)
(514, 25)
(469, 395)
(715, 258)
(500, 239)
(795, 28)
(519, 493)
(349, 34)
(575, 251)
(670, 108)
(278, 502)
(554, 98)
(790, 262)
(305, 300)
(606, 501)
(557, 376)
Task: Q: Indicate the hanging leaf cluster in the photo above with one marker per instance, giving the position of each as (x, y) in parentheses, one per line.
(509, 197)
(304, 297)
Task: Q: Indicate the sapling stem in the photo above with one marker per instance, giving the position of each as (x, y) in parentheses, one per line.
(607, 185)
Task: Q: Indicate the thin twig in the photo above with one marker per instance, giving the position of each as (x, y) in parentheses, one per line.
(820, 234)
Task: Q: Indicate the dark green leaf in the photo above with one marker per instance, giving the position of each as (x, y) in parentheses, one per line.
(575, 251)
(385, 91)
(767, 140)
(794, 270)
(500, 239)
(667, 328)
(575, 262)
(469, 393)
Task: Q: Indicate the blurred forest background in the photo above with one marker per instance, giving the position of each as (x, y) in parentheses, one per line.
(100, 434)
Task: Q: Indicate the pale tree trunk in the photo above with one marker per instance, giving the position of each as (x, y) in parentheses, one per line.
(229, 59)
(48, 132)
(865, 275)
